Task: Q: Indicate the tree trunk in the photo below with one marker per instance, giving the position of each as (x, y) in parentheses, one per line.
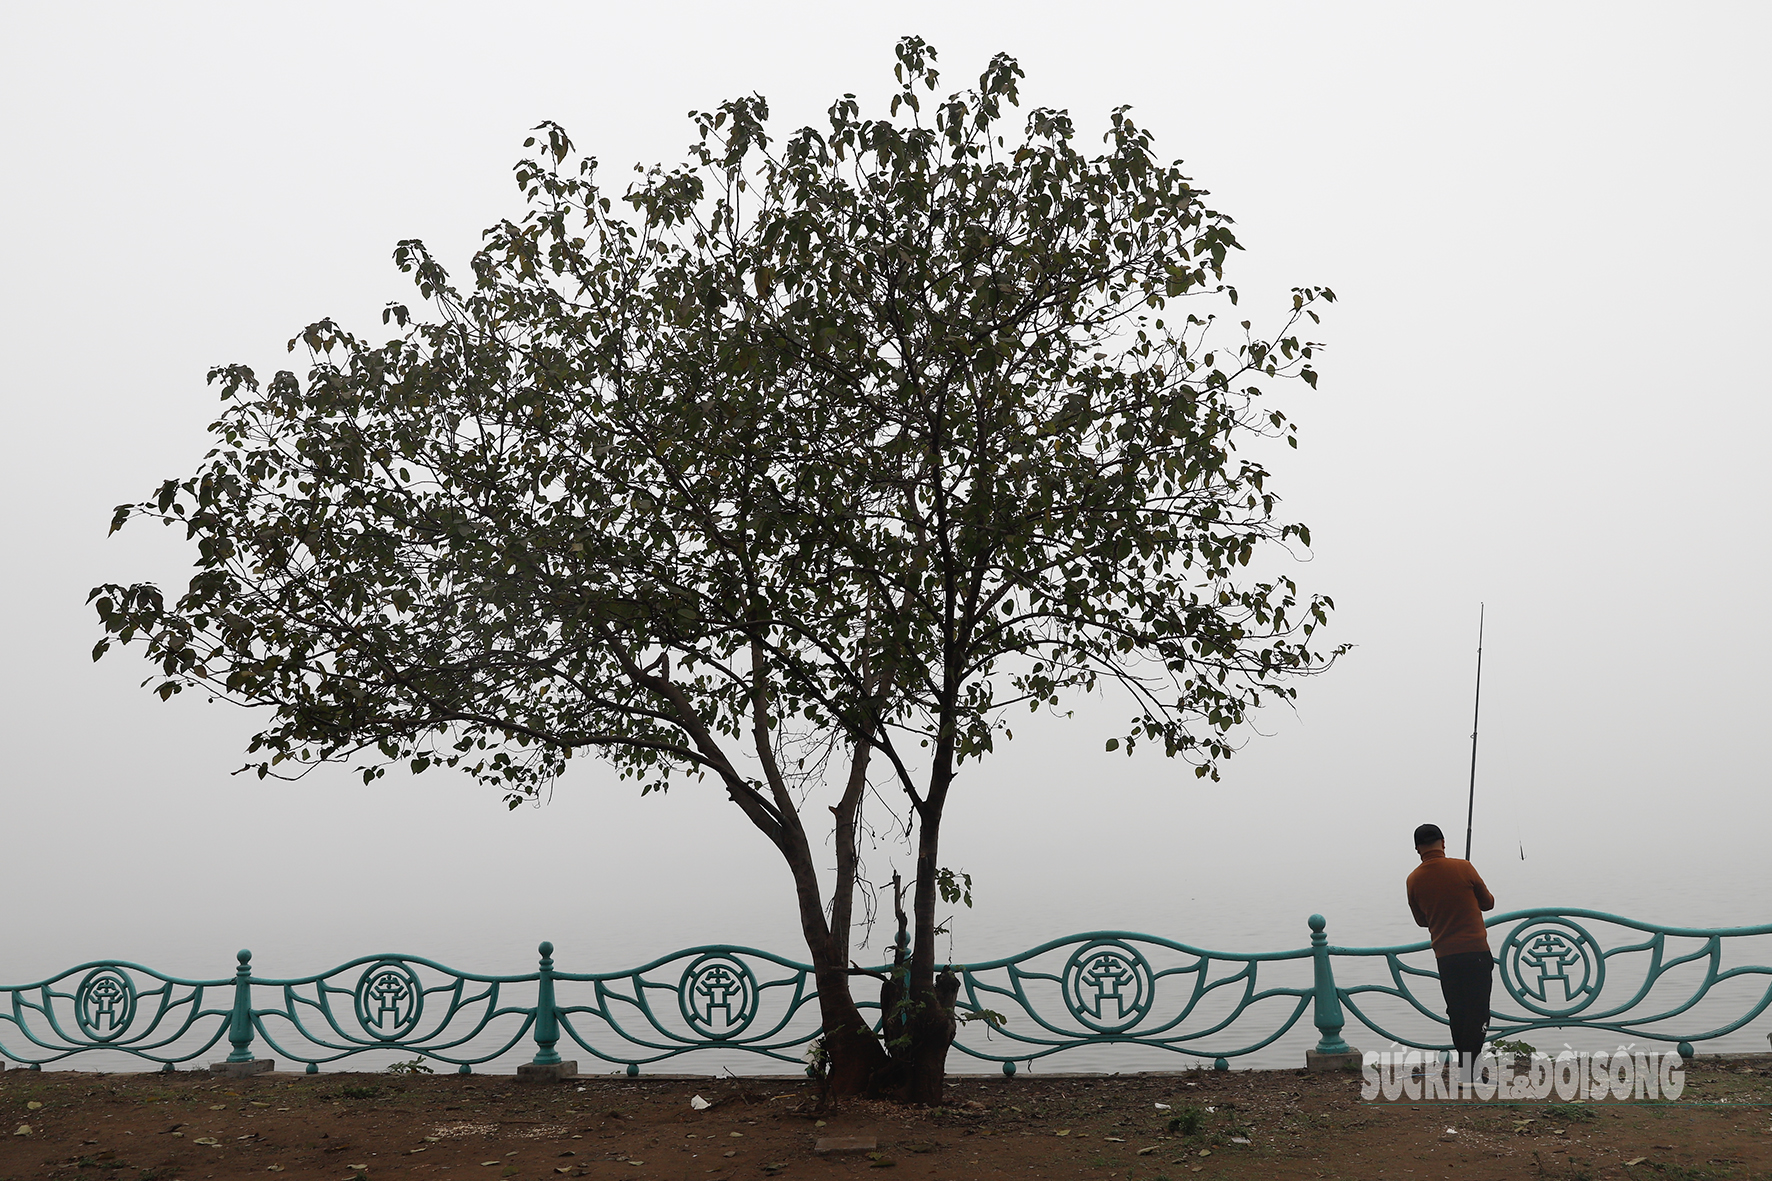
(920, 1026)
(856, 1059)
(932, 1031)
(857, 1062)
(928, 1023)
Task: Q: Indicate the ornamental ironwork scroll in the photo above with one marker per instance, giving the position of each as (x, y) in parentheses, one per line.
(104, 1004)
(1552, 966)
(720, 997)
(116, 1006)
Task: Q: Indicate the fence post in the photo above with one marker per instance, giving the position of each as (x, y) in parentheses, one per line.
(241, 1061)
(240, 1024)
(1331, 1053)
(547, 1065)
(547, 1022)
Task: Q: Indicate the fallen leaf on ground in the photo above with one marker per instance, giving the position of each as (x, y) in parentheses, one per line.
(1637, 1161)
(23, 1130)
(33, 1105)
(1147, 1151)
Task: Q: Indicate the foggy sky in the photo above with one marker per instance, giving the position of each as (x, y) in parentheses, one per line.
(1544, 389)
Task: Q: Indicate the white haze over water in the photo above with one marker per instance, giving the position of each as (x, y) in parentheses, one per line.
(1543, 391)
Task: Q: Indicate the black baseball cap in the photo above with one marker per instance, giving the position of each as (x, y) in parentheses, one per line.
(1427, 834)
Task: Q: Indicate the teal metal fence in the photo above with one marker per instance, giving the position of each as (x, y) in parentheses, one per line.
(1102, 988)
(1558, 975)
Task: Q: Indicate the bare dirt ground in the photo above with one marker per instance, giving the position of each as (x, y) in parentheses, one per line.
(1237, 1124)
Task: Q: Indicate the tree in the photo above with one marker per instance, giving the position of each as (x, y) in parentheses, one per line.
(802, 466)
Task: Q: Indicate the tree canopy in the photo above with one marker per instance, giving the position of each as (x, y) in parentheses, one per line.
(804, 464)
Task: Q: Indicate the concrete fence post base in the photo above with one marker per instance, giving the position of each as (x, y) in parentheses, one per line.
(242, 1069)
(1347, 1060)
(553, 1072)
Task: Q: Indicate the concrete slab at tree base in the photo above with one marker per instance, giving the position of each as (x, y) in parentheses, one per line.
(843, 1145)
(242, 1069)
(529, 1072)
(1347, 1061)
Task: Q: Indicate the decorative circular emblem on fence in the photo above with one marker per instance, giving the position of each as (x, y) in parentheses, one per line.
(104, 1004)
(718, 996)
(1107, 985)
(389, 1000)
(1552, 966)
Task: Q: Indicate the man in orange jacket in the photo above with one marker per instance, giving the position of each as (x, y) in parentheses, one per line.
(1448, 898)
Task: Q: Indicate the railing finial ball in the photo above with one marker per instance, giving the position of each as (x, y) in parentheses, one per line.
(244, 955)
(1318, 922)
(546, 948)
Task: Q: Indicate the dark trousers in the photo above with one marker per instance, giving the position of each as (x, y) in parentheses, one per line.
(1465, 980)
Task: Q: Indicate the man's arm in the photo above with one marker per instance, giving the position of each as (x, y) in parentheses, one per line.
(1485, 900)
(1415, 909)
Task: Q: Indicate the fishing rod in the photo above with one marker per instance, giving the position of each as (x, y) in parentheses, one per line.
(1476, 714)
